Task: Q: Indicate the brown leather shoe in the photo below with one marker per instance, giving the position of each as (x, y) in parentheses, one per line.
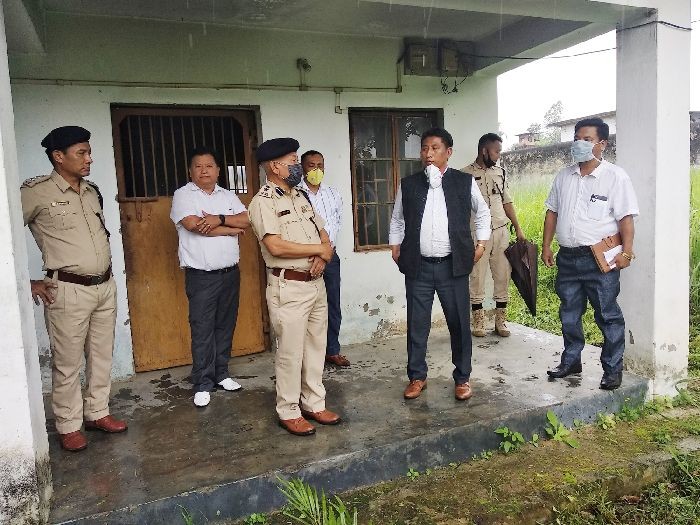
(73, 441)
(298, 426)
(325, 417)
(463, 391)
(337, 360)
(414, 388)
(107, 424)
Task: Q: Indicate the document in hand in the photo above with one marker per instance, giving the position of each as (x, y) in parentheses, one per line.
(605, 252)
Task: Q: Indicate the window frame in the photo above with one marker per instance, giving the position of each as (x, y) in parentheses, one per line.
(394, 115)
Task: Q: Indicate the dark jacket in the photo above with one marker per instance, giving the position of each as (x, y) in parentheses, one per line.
(414, 192)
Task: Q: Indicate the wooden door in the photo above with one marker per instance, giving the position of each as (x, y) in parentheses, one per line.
(151, 148)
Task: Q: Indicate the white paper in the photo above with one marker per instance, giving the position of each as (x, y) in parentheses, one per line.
(611, 254)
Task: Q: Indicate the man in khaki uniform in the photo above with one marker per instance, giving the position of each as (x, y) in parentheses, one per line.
(64, 214)
(492, 182)
(295, 248)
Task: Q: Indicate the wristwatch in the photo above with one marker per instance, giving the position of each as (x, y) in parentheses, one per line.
(222, 218)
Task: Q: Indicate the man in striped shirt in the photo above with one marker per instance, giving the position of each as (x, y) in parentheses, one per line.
(328, 204)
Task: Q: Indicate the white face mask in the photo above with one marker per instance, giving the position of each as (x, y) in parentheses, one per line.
(582, 151)
(434, 175)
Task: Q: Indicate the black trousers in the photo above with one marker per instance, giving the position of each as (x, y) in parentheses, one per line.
(453, 293)
(213, 309)
(331, 277)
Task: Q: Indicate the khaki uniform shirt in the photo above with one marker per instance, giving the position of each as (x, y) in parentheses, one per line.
(289, 215)
(494, 188)
(67, 226)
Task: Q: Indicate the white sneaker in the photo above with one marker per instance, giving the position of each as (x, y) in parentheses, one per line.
(229, 384)
(201, 399)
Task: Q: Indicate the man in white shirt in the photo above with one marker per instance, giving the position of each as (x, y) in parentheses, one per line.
(208, 219)
(590, 200)
(431, 242)
(328, 204)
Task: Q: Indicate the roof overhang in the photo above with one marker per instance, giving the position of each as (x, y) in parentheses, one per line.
(502, 35)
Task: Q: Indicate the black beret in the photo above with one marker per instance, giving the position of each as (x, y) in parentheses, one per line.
(276, 148)
(63, 137)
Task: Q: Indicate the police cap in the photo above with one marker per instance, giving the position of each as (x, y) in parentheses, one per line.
(64, 137)
(276, 148)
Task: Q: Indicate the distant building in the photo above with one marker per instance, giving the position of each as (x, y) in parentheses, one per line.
(528, 138)
(566, 127)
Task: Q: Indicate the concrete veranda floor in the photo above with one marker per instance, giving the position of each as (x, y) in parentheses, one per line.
(222, 461)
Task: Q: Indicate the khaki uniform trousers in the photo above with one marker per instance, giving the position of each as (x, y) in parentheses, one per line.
(80, 323)
(500, 268)
(299, 316)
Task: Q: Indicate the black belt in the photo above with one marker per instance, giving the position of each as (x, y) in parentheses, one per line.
(85, 280)
(576, 250)
(436, 260)
(220, 270)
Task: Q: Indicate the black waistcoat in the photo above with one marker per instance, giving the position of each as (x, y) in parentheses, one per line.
(414, 192)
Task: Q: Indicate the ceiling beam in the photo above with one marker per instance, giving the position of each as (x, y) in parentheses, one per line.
(23, 26)
(541, 48)
(574, 10)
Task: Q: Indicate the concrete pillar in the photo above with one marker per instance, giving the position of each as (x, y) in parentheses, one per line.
(653, 92)
(25, 475)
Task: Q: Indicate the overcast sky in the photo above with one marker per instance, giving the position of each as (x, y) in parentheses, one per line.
(556, 80)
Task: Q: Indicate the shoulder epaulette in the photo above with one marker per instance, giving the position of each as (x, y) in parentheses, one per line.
(266, 191)
(35, 180)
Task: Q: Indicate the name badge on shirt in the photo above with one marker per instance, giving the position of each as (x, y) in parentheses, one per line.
(60, 203)
(595, 197)
(283, 213)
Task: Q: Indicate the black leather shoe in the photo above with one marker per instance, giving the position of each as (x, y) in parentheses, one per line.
(563, 371)
(611, 381)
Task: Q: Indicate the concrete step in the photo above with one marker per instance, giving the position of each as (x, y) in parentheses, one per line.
(223, 463)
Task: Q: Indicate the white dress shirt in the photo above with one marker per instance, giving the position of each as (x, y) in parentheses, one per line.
(434, 235)
(196, 250)
(589, 207)
(328, 204)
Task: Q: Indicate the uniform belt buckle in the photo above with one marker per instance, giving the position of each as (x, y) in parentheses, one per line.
(95, 280)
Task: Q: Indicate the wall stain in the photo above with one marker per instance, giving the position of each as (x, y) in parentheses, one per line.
(25, 488)
(374, 311)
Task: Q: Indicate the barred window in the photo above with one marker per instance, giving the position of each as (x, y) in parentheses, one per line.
(155, 144)
(385, 148)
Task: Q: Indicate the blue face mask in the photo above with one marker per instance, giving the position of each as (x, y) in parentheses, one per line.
(296, 173)
(582, 151)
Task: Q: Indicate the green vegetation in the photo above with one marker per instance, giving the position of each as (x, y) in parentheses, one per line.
(412, 473)
(557, 431)
(510, 440)
(306, 507)
(529, 196)
(674, 501)
(257, 518)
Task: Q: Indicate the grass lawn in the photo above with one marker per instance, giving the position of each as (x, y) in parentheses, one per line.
(529, 196)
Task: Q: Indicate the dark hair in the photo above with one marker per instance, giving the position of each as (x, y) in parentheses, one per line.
(440, 133)
(309, 153)
(49, 154)
(487, 139)
(203, 150)
(602, 129)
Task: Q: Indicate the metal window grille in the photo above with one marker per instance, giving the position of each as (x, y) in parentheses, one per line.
(155, 148)
(385, 148)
